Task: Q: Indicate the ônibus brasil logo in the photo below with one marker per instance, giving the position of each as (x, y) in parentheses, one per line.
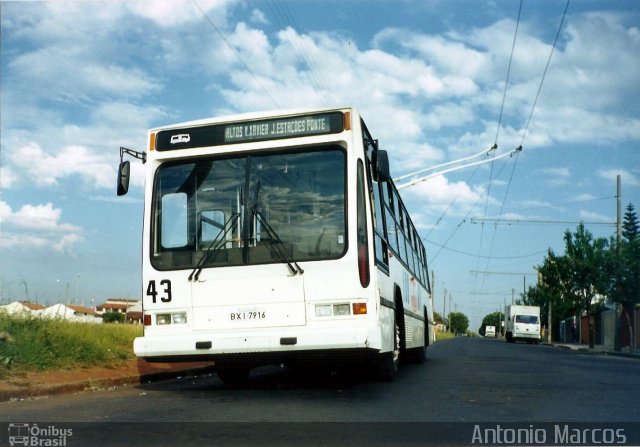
(32, 435)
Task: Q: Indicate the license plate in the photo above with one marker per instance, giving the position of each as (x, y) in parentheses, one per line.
(251, 315)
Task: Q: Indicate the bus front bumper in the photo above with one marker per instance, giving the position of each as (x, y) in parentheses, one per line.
(265, 346)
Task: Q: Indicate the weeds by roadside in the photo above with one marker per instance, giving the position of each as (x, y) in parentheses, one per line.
(38, 344)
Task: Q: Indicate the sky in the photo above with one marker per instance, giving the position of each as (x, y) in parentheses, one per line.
(435, 81)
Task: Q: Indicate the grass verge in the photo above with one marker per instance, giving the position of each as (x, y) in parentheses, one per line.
(444, 335)
(39, 344)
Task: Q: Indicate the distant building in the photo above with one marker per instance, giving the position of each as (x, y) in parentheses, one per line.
(21, 307)
(134, 313)
(115, 305)
(71, 312)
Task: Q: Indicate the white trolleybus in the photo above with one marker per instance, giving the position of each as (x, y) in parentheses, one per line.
(278, 238)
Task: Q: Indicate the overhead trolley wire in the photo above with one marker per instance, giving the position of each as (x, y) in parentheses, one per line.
(237, 54)
(504, 96)
(544, 73)
(530, 115)
(506, 82)
(282, 10)
(538, 253)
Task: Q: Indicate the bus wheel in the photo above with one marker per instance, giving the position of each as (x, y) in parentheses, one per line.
(233, 375)
(391, 360)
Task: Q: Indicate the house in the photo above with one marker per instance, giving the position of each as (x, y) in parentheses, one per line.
(21, 307)
(134, 313)
(71, 312)
(115, 305)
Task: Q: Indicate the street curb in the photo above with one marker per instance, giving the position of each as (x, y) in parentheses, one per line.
(588, 351)
(40, 391)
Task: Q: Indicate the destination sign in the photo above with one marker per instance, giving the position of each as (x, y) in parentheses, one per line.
(244, 132)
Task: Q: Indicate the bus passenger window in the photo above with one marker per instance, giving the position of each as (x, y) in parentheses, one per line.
(174, 220)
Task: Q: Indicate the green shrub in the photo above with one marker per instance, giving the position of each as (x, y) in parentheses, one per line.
(113, 317)
(40, 344)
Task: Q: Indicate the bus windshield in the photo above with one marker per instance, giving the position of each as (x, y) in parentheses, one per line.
(234, 210)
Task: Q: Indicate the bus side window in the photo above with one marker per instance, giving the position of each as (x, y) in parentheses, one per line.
(174, 220)
(380, 241)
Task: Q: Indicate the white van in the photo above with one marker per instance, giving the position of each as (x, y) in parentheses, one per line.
(523, 323)
(490, 331)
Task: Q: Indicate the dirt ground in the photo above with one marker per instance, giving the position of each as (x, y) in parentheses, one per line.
(42, 383)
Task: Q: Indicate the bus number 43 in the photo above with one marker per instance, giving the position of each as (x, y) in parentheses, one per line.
(165, 286)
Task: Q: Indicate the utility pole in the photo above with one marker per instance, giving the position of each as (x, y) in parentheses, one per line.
(617, 343)
(549, 325)
(619, 210)
(450, 299)
(433, 286)
(444, 310)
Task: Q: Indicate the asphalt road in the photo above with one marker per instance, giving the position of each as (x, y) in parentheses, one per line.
(464, 380)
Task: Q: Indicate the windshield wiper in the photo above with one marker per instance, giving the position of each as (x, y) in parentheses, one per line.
(215, 245)
(277, 245)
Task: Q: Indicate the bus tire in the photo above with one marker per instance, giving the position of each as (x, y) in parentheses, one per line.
(391, 360)
(233, 375)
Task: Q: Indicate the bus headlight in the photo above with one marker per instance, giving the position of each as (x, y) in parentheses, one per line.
(323, 311)
(341, 309)
(175, 318)
(163, 319)
(179, 318)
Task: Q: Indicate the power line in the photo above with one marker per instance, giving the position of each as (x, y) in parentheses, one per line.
(246, 67)
(504, 200)
(489, 257)
(481, 220)
(464, 219)
(556, 205)
(506, 82)
(458, 168)
(449, 163)
(544, 73)
(287, 19)
(444, 213)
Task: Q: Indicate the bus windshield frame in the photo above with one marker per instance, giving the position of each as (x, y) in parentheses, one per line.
(247, 209)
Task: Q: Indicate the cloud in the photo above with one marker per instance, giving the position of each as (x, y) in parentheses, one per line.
(438, 193)
(258, 17)
(38, 227)
(179, 13)
(595, 217)
(557, 176)
(43, 169)
(626, 177)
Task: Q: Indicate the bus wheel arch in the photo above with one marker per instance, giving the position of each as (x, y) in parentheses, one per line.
(400, 321)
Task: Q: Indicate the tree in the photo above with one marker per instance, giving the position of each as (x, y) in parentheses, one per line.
(492, 319)
(113, 317)
(458, 322)
(630, 225)
(625, 267)
(586, 267)
(437, 318)
(550, 291)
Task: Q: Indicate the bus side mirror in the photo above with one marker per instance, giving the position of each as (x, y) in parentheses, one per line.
(123, 177)
(381, 166)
